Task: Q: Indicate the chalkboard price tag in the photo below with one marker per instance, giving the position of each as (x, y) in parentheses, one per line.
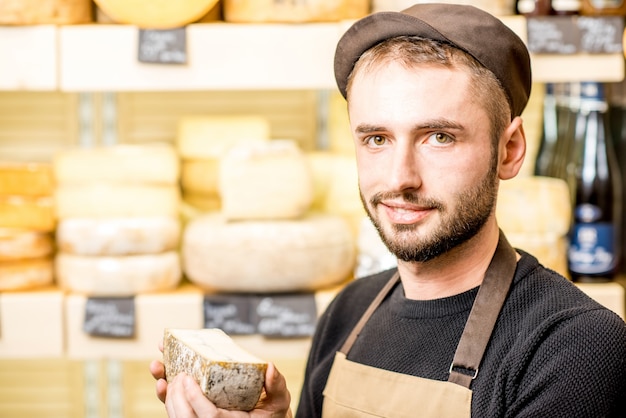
(163, 46)
(601, 35)
(110, 317)
(286, 315)
(230, 313)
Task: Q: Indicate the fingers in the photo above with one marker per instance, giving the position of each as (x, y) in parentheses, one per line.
(157, 369)
(277, 397)
(185, 399)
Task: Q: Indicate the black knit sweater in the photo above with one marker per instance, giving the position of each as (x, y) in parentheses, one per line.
(554, 351)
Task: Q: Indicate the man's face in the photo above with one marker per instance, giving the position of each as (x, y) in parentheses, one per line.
(427, 171)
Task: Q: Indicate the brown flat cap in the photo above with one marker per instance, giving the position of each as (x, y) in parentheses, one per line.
(468, 28)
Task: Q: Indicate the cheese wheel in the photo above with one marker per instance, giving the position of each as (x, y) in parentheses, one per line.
(151, 163)
(156, 14)
(228, 375)
(268, 181)
(210, 137)
(39, 12)
(26, 212)
(200, 176)
(118, 276)
(118, 236)
(203, 202)
(339, 132)
(26, 274)
(549, 248)
(116, 200)
(18, 244)
(534, 204)
(26, 179)
(268, 256)
(246, 11)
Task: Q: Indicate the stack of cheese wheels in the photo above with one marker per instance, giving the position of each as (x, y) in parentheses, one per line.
(118, 230)
(266, 237)
(156, 14)
(246, 11)
(202, 141)
(38, 12)
(535, 214)
(26, 225)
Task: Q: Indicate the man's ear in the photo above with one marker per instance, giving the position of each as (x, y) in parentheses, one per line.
(512, 149)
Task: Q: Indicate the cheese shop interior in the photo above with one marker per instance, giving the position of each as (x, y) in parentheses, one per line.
(191, 165)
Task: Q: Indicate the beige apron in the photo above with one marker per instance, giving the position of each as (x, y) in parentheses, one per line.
(358, 390)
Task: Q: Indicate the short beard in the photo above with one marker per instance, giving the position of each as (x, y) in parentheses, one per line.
(471, 214)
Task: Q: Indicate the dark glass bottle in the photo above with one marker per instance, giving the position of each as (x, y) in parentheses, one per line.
(594, 249)
(549, 134)
(568, 104)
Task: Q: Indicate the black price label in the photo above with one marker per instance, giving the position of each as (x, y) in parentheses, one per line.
(110, 317)
(601, 35)
(286, 316)
(163, 46)
(230, 313)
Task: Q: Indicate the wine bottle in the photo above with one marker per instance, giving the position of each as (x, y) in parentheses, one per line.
(594, 245)
(549, 133)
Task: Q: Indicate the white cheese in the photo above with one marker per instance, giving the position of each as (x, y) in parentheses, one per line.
(18, 244)
(267, 181)
(228, 375)
(118, 275)
(26, 274)
(118, 236)
(268, 256)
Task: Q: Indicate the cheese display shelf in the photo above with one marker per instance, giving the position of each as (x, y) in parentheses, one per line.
(220, 56)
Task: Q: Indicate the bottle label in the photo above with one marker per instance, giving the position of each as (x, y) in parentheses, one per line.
(592, 249)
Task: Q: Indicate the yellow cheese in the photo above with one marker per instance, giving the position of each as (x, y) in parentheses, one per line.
(245, 11)
(18, 244)
(27, 212)
(156, 14)
(266, 181)
(203, 202)
(118, 236)
(268, 256)
(116, 200)
(26, 274)
(38, 12)
(200, 176)
(210, 137)
(118, 276)
(27, 179)
(339, 132)
(549, 248)
(229, 376)
(151, 163)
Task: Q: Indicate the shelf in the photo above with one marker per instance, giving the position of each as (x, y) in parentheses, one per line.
(221, 56)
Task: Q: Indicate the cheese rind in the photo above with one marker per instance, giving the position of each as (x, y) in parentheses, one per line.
(38, 12)
(229, 376)
(27, 212)
(269, 181)
(18, 244)
(26, 274)
(118, 276)
(156, 14)
(118, 236)
(26, 179)
(146, 163)
(268, 256)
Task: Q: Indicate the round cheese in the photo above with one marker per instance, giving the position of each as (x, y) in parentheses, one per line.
(118, 276)
(27, 212)
(246, 11)
(18, 244)
(26, 274)
(118, 236)
(39, 12)
(116, 200)
(210, 137)
(31, 179)
(268, 256)
(549, 248)
(268, 181)
(156, 14)
(145, 163)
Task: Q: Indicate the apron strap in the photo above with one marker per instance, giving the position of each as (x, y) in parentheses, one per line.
(347, 345)
(484, 313)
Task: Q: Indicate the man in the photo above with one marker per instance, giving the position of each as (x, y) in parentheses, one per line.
(465, 325)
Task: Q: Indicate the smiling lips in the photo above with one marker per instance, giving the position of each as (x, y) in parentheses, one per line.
(401, 212)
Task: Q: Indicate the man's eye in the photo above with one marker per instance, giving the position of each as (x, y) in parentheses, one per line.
(376, 140)
(441, 138)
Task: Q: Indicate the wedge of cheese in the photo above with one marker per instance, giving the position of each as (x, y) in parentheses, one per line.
(16, 244)
(26, 179)
(228, 375)
(266, 181)
(210, 137)
(26, 274)
(118, 276)
(27, 212)
(268, 256)
(118, 236)
(110, 199)
(156, 14)
(127, 163)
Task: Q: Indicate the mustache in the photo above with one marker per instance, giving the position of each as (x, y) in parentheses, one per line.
(408, 197)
